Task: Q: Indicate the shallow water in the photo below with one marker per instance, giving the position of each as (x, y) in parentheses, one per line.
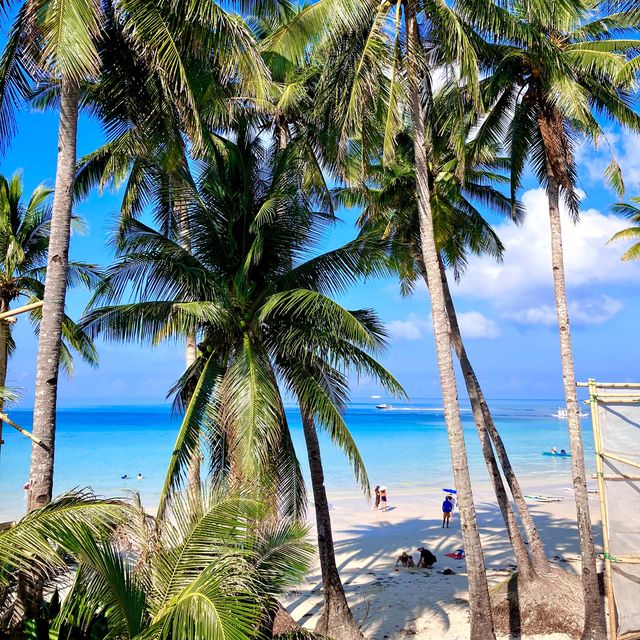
(403, 448)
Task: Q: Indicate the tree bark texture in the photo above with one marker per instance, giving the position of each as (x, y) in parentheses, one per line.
(525, 566)
(336, 620)
(191, 348)
(594, 626)
(44, 412)
(479, 601)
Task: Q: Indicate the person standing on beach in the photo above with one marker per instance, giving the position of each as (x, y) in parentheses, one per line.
(383, 497)
(377, 504)
(447, 508)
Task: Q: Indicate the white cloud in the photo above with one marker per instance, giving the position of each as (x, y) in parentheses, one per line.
(524, 280)
(472, 325)
(593, 162)
(475, 325)
(413, 328)
(582, 312)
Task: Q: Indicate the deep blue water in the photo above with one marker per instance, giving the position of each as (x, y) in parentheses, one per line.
(403, 448)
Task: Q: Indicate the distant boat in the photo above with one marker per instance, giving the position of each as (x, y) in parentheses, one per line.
(383, 406)
(561, 414)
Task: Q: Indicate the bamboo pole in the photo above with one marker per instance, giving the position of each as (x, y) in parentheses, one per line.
(611, 385)
(5, 418)
(602, 499)
(612, 456)
(19, 310)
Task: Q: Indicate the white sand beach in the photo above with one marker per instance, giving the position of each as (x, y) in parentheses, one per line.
(393, 603)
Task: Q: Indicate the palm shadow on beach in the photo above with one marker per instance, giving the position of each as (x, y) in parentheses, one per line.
(388, 601)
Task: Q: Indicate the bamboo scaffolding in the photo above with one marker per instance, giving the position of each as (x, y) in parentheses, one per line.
(5, 418)
(613, 456)
(597, 438)
(611, 385)
(19, 310)
(8, 316)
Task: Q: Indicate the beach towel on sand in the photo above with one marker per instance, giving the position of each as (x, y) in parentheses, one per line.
(456, 555)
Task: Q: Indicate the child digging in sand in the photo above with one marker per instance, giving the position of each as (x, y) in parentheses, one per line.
(405, 559)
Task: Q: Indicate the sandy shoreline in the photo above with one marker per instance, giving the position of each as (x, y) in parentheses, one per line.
(398, 603)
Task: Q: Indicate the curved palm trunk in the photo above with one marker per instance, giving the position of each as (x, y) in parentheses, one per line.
(479, 601)
(191, 353)
(44, 411)
(193, 471)
(525, 566)
(336, 620)
(594, 624)
(476, 396)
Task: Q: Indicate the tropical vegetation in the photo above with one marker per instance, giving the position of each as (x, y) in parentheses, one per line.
(238, 134)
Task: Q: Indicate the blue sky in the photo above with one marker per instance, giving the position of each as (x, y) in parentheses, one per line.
(506, 311)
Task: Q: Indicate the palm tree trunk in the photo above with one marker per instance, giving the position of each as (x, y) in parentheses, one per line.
(479, 601)
(191, 352)
(193, 471)
(476, 398)
(594, 624)
(336, 620)
(4, 357)
(540, 562)
(44, 411)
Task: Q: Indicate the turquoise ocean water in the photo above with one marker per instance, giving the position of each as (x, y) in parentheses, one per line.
(404, 447)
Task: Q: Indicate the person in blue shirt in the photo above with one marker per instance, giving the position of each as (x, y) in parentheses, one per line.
(447, 509)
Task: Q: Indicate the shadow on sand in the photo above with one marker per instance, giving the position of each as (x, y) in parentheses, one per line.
(391, 602)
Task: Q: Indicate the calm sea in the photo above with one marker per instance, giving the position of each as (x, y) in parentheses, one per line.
(404, 447)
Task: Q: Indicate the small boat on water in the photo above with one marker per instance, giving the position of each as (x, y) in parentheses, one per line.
(557, 454)
(383, 406)
(561, 414)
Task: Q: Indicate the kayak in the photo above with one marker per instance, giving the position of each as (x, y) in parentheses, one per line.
(557, 454)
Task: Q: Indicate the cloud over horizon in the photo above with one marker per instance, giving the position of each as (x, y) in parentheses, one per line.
(521, 287)
(473, 325)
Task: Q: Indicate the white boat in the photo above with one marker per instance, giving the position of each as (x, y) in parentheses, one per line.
(561, 414)
(383, 406)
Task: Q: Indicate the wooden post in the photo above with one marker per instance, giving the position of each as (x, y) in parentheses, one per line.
(597, 438)
(5, 418)
(8, 316)
(19, 310)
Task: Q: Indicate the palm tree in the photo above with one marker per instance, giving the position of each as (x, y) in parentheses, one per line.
(60, 45)
(35, 546)
(377, 73)
(556, 71)
(24, 236)
(214, 569)
(264, 320)
(631, 211)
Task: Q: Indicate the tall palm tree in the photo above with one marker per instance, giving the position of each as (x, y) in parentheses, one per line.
(376, 73)
(260, 307)
(557, 70)
(631, 211)
(60, 44)
(25, 229)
